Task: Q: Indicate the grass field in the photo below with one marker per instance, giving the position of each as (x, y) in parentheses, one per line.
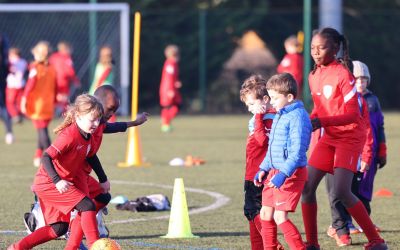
(220, 140)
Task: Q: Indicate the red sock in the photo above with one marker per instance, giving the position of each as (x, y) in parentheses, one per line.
(172, 112)
(360, 214)
(292, 235)
(89, 226)
(38, 153)
(255, 236)
(309, 211)
(38, 237)
(257, 223)
(164, 116)
(269, 234)
(76, 234)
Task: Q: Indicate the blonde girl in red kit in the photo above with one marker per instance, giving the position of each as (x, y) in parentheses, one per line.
(58, 182)
(336, 111)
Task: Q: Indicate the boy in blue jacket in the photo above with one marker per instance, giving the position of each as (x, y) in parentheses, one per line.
(283, 171)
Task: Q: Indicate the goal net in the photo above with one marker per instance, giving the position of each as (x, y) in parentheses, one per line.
(87, 27)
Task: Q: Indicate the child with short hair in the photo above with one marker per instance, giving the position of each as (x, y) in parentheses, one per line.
(15, 83)
(284, 167)
(254, 94)
(59, 178)
(170, 97)
(292, 62)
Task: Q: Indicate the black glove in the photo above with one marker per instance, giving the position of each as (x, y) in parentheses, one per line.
(316, 124)
(381, 161)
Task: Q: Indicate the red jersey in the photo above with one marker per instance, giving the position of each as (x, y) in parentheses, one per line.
(65, 71)
(367, 152)
(68, 152)
(257, 142)
(97, 138)
(293, 64)
(334, 95)
(170, 75)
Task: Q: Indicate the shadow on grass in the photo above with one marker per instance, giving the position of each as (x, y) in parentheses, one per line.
(201, 234)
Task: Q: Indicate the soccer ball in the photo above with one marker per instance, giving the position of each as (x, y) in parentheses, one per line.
(105, 244)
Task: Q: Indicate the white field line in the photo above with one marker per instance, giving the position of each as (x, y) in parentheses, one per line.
(220, 200)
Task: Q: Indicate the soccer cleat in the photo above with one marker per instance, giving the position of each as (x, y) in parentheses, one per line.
(342, 240)
(312, 247)
(12, 247)
(36, 161)
(166, 128)
(376, 245)
(353, 229)
(9, 139)
(331, 231)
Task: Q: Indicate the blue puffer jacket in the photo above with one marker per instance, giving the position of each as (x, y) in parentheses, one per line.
(289, 140)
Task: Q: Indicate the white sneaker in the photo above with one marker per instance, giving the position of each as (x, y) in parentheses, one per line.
(9, 139)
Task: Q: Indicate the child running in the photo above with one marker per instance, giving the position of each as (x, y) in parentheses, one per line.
(336, 110)
(254, 94)
(284, 166)
(99, 190)
(59, 177)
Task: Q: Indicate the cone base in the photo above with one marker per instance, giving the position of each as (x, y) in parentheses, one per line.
(171, 236)
(128, 165)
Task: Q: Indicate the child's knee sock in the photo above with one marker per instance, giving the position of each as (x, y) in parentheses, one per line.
(76, 234)
(359, 213)
(89, 226)
(255, 235)
(269, 234)
(309, 211)
(257, 223)
(38, 237)
(292, 235)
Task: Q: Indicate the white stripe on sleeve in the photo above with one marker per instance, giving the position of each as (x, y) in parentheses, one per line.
(350, 94)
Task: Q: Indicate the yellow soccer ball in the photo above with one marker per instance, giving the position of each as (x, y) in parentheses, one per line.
(105, 244)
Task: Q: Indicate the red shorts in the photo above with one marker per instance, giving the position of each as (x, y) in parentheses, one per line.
(56, 207)
(326, 157)
(288, 195)
(94, 187)
(41, 123)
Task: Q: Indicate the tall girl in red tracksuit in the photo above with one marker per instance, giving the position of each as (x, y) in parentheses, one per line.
(336, 110)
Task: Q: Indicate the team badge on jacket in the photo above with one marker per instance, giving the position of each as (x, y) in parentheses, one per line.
(327, 91)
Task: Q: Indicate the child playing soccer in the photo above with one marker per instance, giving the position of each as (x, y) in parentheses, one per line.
(170, 98)
(284, 166)
(336, 110)
(254, 94)
(99, 190)
(38, 100)
(58, 181)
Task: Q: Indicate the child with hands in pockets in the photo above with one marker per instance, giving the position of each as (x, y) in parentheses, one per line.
(283, 171)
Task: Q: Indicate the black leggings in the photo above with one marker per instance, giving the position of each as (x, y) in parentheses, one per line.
(60, 228)
(86, 204)
(342, 179)
(43, 138)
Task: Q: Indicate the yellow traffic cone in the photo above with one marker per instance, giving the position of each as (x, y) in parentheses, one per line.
(179, 224)
(133, 150)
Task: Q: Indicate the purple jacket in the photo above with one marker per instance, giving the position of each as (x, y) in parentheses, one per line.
(376, 120)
